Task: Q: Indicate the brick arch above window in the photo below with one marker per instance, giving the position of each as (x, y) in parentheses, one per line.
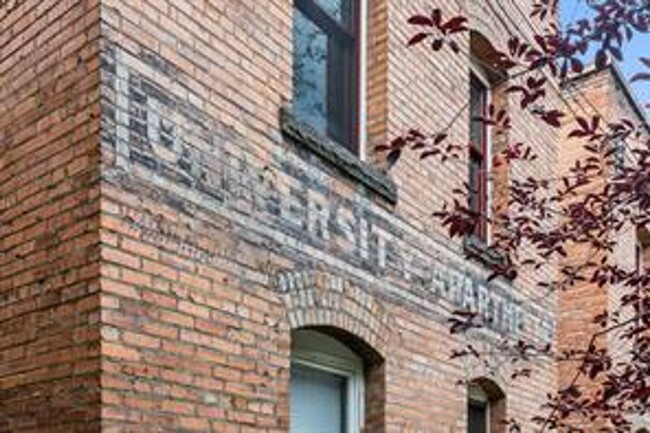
(486, 56)
(345, 311)
(482, 21)
(492, 390)
(487, 395)
(351, 315)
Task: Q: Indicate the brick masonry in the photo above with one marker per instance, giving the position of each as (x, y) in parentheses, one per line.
(598, 93)
(49, 216)
(161, 237)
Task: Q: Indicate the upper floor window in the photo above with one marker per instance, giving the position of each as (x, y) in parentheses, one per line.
(325, 67)
(479, 158)
(619, 156)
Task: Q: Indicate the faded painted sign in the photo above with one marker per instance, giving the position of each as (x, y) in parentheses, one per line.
(159, 132)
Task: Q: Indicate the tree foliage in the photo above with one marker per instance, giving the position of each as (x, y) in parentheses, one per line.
(588, 213)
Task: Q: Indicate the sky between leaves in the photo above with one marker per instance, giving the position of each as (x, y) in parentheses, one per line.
(639, 46)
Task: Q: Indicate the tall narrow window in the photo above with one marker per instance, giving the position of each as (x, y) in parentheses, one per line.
(478, 154)
(619, 156)
(639, 267)
(477, 416)
(325, 67)
(477, 410)
(486, 407)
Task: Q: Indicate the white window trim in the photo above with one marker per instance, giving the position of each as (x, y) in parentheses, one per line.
(362, 109)
(351, 369)
(478, 71)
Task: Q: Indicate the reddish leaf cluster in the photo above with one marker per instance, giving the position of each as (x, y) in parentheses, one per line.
(532, 91)
(544, 9)
(426, 145)
(513, 152)
(498, 119)
(436, 30)
(589, 207)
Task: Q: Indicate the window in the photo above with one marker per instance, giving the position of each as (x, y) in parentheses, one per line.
(479, 154)
(619, 157)
(486, 407)
(326, 385)
(477, 410)
(639, 266)
(477, 414)
(325, 67)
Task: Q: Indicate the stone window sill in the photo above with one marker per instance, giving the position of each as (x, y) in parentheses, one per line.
(338, 156)
(478, 249)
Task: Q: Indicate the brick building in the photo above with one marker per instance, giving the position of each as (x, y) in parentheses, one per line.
(196, 234)
(606, 94)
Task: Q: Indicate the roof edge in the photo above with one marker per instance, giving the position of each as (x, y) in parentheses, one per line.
(623, 83)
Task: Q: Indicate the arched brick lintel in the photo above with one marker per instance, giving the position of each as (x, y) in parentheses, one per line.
(482, 21)
(343, 310)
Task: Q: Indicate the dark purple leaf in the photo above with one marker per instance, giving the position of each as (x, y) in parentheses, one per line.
(420, 20)
(416, 39)
(393, 156)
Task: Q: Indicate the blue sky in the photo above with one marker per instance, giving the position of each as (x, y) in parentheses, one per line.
(638, 47)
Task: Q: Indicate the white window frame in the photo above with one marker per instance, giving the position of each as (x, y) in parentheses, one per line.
(351, 369)
(478, 71)
(362, 109)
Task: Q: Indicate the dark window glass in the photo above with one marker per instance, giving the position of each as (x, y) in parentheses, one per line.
(325, 67)
(476, 417)
(341, 10)
(619, 156)
(478, 96)
(310, 72)
(478, 164)
(475, 165)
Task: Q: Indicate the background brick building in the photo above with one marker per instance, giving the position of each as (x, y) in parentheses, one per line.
(605, 94)
(167, 225)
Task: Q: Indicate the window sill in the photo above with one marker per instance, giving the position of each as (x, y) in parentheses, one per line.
(338, 156)
(478, 249)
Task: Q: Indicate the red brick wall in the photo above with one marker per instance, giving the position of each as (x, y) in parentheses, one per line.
(582, 302)
(49, 216)
(595, 94)
(219, 235)
(203, 284)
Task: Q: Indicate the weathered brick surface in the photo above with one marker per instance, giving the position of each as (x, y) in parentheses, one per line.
(49, 216)
(218, 236)
(224, 236)
(582, 302)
